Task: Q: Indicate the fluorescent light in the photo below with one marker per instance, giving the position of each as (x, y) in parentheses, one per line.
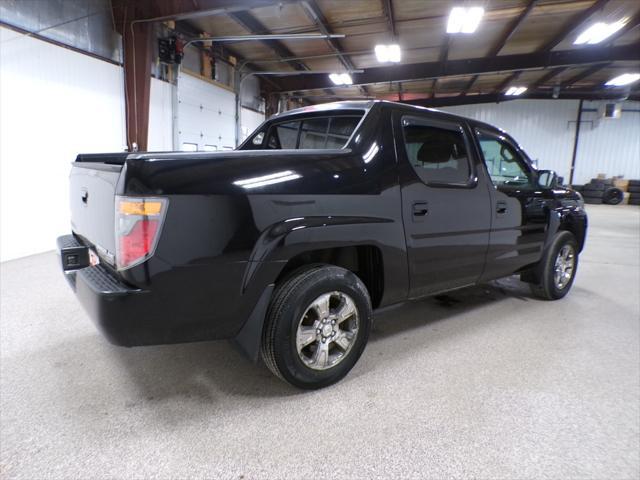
(341, 79)
(516, 90)
(597, 32)
(624, 79)
(388, 53)
(464, 20)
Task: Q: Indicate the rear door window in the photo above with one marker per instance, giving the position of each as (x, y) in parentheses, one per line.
(437, 152)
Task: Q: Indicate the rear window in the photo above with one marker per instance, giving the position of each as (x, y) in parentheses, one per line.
(306, 134)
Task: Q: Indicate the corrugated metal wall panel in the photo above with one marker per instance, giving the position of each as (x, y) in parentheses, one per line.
(609, 145)
(544, 128)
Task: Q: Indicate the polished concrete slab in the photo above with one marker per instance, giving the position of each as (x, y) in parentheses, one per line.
(486, 382)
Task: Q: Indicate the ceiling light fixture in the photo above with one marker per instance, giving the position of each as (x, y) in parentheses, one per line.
(516, 91)
(341, 79)
(598, 32)
(388, 53)
(624, 79)
(464, 20)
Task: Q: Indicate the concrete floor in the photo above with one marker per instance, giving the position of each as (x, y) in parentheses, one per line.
(485, 383)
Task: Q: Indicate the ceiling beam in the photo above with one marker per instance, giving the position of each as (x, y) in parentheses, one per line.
(387, 6)
(634, 22)
(506, 35)
(582, 75)
(507, 81)
(470, 66)
(538, 95)
(469, 85)
(546, 77)
(504, 38)
(574, 23)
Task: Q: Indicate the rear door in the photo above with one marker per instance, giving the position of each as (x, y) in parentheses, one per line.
(446, 204)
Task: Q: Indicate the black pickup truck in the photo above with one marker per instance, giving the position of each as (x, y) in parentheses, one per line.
(324, 214)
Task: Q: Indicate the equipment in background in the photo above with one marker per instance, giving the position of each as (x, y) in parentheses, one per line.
(610, 191)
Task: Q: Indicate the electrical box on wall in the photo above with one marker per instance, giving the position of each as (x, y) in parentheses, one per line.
(170, 50)
(612, 110)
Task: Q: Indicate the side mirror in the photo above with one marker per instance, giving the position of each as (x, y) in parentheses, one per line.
(547, 178)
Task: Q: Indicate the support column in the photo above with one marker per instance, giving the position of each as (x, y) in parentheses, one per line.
(137, 71)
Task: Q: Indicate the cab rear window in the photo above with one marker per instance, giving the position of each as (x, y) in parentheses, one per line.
(313, 133)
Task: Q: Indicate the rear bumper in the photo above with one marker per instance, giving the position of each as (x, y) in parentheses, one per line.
(113, 306)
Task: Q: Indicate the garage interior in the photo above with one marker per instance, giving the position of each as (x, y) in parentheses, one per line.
(483, 382)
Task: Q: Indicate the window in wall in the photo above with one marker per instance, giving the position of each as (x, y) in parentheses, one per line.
(438, 155)
(505, 166)
(189, 147)
(210, 148)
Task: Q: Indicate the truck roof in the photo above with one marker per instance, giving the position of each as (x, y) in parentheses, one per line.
(369, 104)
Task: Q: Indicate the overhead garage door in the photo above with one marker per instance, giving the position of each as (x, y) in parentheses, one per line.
(206, 115)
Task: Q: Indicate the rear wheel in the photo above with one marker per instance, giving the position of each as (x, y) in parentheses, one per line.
(556, 271)
(317, 326)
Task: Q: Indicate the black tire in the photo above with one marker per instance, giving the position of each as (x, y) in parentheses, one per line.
(612, 196)
(577, 188)
(291, 300)
(593, 201)
(544, 285)
(633, 188)
(593, 187)
(634, 201)
(634, 183)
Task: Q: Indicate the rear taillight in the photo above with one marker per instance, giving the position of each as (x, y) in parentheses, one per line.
(138, 225)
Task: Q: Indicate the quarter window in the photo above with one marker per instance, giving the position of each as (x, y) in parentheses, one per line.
(313, 133)
(438, 155)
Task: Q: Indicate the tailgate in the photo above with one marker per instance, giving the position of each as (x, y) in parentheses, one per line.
(93, 183)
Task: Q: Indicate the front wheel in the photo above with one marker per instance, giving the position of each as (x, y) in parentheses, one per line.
(557, 269)
(317, 326)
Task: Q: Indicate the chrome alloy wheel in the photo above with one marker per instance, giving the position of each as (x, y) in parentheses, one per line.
(564, 266)
(327, 331)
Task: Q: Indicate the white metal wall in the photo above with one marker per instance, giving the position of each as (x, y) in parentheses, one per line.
(54, 103)
(608, 145)
(546, 131)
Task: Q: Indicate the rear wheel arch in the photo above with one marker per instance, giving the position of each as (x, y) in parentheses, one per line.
(365, 261)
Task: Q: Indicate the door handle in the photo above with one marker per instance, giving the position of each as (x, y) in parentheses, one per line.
(501, 208)
(420, 209)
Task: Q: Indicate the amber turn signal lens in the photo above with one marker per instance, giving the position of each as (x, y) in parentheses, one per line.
(141, 207)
